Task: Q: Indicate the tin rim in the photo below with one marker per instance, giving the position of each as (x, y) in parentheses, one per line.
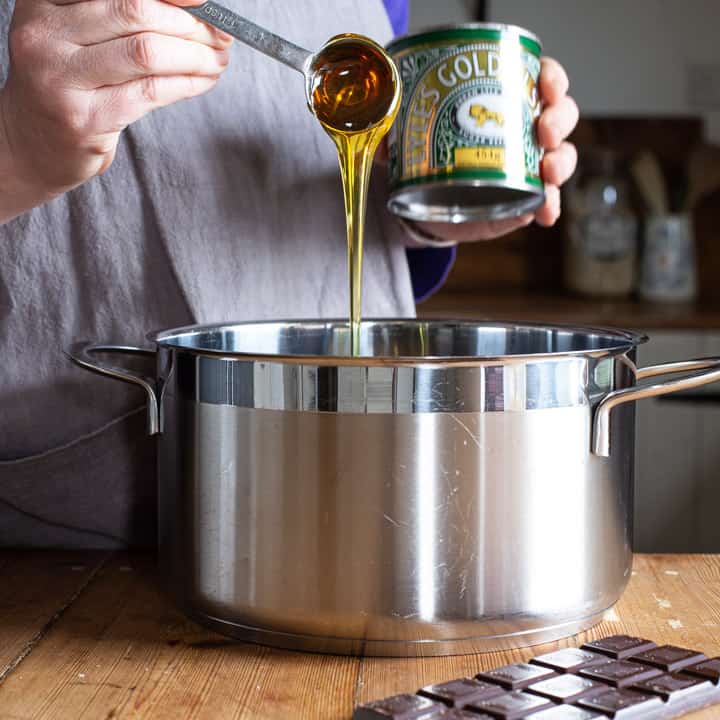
(535, 197)
(500, 27)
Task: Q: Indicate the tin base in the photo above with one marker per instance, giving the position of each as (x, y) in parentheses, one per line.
(468, 201)
(395, 648)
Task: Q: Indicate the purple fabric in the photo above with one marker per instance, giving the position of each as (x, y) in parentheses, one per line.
(429, 267)
(397, 11)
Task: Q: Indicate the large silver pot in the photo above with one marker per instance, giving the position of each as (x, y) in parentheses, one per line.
(460, 487)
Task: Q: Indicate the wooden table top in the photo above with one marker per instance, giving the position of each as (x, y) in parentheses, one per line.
(90, 635)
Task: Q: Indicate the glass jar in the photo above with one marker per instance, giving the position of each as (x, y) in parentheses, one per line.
(601, 228)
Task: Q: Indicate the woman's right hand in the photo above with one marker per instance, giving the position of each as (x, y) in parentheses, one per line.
(81, 72)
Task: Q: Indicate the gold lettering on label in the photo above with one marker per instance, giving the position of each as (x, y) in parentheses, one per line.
(446, 80)
(493, 62)
(463, 67)
(476, 65)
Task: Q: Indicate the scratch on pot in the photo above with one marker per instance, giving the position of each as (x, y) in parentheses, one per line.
(474, 437)
(463, 584)
(672, 572)
(675, 624)
(396, 523)
(611, 616)
(662, 602)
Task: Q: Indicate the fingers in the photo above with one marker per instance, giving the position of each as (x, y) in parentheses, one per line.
(186, 3)
(558, 165)
(554, 82)
(90, 23)
(147, 54)
(548, 214)
(131, 101)
(557, 122)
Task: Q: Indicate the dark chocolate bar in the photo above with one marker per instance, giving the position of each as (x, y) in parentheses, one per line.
(516, 676)
(709, 669)
(669, 657)
(675, 686)
(566, 712)
(619, 647)
(566, 688)
(512, 705)
(620, 673)
(569, 660)
(615, 677)
(622, 703)
(400, 707)
(462, 692)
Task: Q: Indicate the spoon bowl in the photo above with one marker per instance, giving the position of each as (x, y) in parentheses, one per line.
(344, 80)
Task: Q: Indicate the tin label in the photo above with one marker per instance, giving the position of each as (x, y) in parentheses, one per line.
(468, 111)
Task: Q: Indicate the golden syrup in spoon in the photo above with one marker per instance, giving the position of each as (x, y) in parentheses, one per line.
(355, 94)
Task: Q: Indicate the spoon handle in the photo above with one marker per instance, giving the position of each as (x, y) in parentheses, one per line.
(251, 34)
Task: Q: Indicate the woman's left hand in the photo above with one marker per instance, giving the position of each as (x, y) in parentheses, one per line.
(557, 121)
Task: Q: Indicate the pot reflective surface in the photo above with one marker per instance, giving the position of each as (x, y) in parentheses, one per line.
(438, 494)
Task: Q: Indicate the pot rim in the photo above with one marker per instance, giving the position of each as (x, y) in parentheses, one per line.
(626, 341)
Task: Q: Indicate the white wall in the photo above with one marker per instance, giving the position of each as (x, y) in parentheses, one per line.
(426, 13)
(626, 56)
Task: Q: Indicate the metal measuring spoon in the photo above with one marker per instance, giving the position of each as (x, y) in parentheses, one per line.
(279, 48)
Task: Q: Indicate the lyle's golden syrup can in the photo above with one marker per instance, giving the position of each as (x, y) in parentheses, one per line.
(464, 146)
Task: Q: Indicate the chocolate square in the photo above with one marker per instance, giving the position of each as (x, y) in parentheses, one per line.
(516, 676)
(462, 692)
(621, 702)
(669, 657)
(566, 688)
(565, 712)
(709, 669)
(569, 659)
(620, 673)
(400, 707)
(512, 705)
(457, 714)
(619, 646)
(675, 686)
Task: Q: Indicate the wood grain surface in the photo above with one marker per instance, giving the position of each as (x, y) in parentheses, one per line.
(88, 636)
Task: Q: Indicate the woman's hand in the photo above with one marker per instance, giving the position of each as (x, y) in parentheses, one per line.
(80, 72)
(557, 121)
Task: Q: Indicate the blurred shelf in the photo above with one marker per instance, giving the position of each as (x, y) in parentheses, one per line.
(529, 307)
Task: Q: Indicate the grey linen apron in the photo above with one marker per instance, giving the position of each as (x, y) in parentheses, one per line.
(225, 207)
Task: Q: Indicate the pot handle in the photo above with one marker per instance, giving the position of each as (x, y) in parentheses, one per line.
(81, 354)
(601, 422)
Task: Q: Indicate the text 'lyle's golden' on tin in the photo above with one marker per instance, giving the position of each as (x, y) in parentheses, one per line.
(465, 146)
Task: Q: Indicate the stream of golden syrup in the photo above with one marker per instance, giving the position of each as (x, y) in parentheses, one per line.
(355, 96)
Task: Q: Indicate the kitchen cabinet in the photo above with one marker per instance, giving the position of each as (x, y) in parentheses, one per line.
(677, 493)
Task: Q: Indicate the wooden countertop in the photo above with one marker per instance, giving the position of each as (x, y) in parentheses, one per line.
(575, 311)
(87, 635)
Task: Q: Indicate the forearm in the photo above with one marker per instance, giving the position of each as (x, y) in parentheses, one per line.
(17, 193)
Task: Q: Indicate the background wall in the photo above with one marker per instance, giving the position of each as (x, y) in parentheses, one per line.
(426, 13)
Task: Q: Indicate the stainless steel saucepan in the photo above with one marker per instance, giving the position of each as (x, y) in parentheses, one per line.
(459, 487)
